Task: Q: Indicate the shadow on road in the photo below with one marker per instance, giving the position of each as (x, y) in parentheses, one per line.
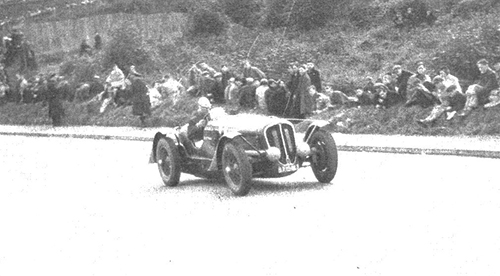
(259, 187)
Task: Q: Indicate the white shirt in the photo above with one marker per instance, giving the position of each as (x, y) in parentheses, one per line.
(450, 80)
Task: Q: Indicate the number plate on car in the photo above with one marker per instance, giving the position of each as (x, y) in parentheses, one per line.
(288, 168)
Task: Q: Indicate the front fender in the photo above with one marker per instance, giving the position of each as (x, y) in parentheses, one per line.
(217, 158)
(172, 135)
(313, 127)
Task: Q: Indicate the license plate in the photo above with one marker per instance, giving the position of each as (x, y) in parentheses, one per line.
(287, 168)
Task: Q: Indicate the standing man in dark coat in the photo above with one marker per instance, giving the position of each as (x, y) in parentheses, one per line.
(141, 105)
(314, 75)
(54, 99)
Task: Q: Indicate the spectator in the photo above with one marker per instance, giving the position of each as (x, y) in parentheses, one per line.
(478, 93)
(494, 99)
(451, 100)
(205, 67)
(314, 75)
(420, 88)
(247, 94)
(226, 75)
(207, 84)
(430, 18)
(218, 89)
(97, 41)
(253, 72)
(155, 97)
(231, 93)
(364, 97)
(368, 87)
(141, 105)
(260, 93)
(401, 80)
(337, 97)
(449, 79)
(85, 49)
(54, 99)
(384, 99)
(276, 96)
(301, 103)
(321, 101)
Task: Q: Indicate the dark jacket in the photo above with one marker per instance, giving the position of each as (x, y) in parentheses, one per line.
(402, 83)
(315, 77)
(141, 105)
(488, 81)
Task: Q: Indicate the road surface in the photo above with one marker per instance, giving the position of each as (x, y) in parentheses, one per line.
(90, 207)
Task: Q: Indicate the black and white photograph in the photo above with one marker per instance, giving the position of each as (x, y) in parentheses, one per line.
(249, 137)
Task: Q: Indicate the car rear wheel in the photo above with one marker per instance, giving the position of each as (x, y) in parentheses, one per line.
(324, 156)
(237, 169)
(169, 161)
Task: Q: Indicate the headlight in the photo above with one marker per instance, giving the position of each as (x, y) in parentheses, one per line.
(273, 153)
(303, 150)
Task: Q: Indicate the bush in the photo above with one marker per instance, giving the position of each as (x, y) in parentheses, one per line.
(467, 8)
(471, 41)
(244, 12)
(207, 22)
(304, 14)
(126, 47)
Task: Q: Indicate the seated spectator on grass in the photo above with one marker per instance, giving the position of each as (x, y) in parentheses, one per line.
(390, 82)
(451, 100)
(321, 101)
(364, 97)
(205, 67)
(338, 97)
(368, 87)
(383, 98)
(494, 99)
(85, 49)
(421, 89)
(401, 80)
(478, 93)
(449, 79)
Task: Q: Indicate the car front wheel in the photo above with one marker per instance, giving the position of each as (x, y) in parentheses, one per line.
(237, 169)
(169, 161)
(324, 157)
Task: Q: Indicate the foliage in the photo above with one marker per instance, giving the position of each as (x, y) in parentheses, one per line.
(80, 69)
(467, 8)
(470, 41)
(207, 22)
(126, 47)
(303, 14)
(244, 12)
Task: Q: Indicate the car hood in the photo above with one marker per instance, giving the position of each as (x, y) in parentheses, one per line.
(246, 122)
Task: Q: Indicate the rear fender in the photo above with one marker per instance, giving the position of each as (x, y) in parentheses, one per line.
(312, 128)
(217, 159)
(158, 136)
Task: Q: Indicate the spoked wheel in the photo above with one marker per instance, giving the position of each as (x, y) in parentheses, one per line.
(237, 169)
(324, 156)
(169, 161)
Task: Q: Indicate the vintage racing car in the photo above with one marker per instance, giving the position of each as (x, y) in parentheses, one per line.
(240, 147)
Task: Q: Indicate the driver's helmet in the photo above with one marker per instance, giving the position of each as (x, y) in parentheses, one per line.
(204, 102)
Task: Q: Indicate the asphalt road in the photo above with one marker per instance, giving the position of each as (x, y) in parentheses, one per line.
(94, 207)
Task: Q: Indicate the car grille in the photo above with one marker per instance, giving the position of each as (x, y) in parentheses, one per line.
(282, 136)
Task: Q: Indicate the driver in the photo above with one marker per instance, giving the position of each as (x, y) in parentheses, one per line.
(198, 121)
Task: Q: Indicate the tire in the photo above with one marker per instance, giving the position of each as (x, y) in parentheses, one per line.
(169, 161)
(236, 169)
(324, 156)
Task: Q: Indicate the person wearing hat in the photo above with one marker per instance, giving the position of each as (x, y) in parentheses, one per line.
(401, 76)
(447, 97)
(231, 93)
(383, 97)
(193, 130)
(141, 104)
(494, 99)
(421, 89)
(478, 93)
